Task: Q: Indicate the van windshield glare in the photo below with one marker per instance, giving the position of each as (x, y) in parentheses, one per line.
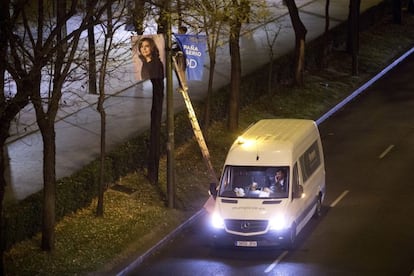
(255, 182)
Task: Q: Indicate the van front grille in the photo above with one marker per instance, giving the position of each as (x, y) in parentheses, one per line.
(246, 226)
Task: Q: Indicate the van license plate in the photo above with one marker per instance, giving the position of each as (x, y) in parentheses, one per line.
(247, 243)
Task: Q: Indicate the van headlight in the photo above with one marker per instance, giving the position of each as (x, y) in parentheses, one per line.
(277, 223)
(217, 221)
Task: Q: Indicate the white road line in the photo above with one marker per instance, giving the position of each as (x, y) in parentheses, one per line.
(280, 258)
(385, 151)
(273, 265)
(333, 204)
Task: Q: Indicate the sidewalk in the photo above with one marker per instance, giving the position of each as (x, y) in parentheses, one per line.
(129, 104)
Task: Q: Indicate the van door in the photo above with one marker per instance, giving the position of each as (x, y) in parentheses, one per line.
(296, 206)
(306, 196)
(297, 202)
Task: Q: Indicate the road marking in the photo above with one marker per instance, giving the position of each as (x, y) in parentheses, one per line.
(386, 151)
(280, 258)
(273, 265)
(333, 204)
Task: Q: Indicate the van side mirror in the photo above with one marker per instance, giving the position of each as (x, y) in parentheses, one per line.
(213, 190)
(299, 192)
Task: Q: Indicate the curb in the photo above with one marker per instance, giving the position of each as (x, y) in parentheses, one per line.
(159, 244)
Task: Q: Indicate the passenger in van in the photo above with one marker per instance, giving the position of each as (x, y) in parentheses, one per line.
(253, 187)
(279, 185)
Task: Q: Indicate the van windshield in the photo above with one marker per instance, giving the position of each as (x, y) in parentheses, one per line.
(255, 182)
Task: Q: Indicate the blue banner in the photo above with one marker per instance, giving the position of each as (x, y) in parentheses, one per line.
(194, 49)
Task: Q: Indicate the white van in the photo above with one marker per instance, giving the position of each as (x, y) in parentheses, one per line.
(252, 206)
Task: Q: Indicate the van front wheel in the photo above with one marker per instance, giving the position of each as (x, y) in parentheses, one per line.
(318, 209)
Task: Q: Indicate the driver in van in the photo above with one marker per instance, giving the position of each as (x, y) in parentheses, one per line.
(279, 185)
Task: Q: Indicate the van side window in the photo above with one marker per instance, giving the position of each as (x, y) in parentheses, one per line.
(295, 179)
(310, 161)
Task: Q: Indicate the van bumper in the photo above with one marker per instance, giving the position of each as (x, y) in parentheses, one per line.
(270, 239)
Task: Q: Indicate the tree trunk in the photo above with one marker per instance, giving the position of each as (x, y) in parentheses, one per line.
(235, 78)
(300, 34)
(92, 57)
(46, 123)
(325, 51)
(101, 109)
(102, 113)
(354, 34)
(396, 11)
(4, 129)
(5, 124)
(138, 16)
(49, 187)
(235, 71)
(4, 165)
(207, 104)
(179, 12)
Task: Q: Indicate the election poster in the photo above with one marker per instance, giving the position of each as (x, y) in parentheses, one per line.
(194, 50)
(148, 55)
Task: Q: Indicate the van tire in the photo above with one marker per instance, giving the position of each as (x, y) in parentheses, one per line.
(318, 209)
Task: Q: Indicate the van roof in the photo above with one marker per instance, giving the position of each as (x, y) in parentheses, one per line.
(272, 141)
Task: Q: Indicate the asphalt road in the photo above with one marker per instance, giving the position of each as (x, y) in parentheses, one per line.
(367, 224)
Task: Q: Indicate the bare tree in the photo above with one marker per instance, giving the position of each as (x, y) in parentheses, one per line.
(138, 15)
(209, 18)
(325, 50)
(353, 33)
(272, 32)
(40, 52)
(396, 11)
(9, 108)
(239, 13)
(108, 27)
(300, 34)
(46, 107)
(92, 54)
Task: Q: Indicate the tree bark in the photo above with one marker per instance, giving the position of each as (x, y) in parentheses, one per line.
(396, 11)
(101, 109)
(325, 51)
(234, 101)
(102, 113)
(235, 61)
(207, 104)
(300, 34)
(138, 16)
(4, 124)
(212, 34)
(49, 187)
(353, 23)
(92, 57)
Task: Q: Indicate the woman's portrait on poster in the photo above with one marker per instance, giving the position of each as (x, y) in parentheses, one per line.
(152, 67)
